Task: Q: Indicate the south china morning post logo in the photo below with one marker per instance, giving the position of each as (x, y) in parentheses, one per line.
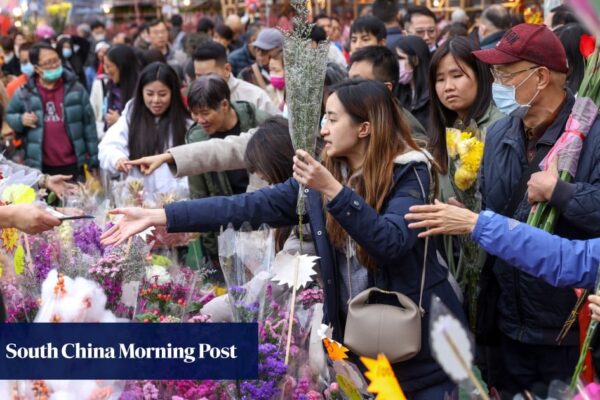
(70, 351)
(129, 351)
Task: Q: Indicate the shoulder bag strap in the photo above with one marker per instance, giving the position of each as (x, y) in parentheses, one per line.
(426, 200)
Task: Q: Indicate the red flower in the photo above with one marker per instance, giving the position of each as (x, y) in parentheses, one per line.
(587, 45)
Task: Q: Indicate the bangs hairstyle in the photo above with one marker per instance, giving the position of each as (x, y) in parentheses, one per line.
(369, 101)
(460, 48)
(208, 91)
(147, 136)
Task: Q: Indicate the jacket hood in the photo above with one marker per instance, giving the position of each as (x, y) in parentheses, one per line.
(415, 156)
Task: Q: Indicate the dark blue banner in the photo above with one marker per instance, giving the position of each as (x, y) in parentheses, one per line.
(129, 351)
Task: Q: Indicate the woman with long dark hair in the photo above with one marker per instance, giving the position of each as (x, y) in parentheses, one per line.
(372, 172)
(73, 52)
(413, 84)
(154, 120)
(461, 96)
(116, 87)
(570, 36)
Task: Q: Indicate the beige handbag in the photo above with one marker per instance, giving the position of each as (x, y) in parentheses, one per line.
(394, 330)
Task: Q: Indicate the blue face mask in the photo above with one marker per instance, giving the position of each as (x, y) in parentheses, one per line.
(27, 69)
(505, 98)
(67, 53)
(52, 75)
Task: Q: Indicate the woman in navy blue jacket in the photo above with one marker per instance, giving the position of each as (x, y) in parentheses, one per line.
(372, 172)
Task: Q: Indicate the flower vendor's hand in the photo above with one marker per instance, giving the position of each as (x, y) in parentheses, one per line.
(122, 165)
(60, 185)
(595, 306)
(542, 184)
(441, 219)
(134, 221)
(28, 218)
(149, 164)
(311, 173)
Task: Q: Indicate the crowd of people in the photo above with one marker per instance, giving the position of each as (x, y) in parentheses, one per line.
(204, 113)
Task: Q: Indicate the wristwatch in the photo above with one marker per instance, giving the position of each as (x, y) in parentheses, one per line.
(42, 180)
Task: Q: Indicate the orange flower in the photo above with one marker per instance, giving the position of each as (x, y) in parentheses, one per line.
(10, 238)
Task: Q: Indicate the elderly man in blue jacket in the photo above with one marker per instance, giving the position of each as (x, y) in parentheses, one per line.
(529, 66)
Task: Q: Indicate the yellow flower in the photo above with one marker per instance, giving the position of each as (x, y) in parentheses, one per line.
(219, 291)
(19, 260)
(471, 155)
(19, 194)
(10, 238)
(53, 9)
(464, 179)
(452, 137)
(65, 5)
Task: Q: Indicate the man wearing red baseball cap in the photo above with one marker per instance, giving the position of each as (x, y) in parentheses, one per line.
(530, 67)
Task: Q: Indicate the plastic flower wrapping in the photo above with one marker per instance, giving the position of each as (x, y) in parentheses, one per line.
(132, 192)
(465, 153)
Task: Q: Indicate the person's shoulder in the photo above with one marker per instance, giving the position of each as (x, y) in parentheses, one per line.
(497, 128)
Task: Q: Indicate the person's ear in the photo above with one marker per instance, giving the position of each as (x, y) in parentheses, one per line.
(544, 78)
(364, 130)
(389, 85)
(382, 42)
(228, 69)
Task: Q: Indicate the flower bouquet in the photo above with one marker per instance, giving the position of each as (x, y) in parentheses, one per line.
(58, 14)
(245, 257)
(465, 153)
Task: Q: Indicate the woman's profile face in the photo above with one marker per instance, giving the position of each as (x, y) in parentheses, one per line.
(340, 132)
(157, 97)
(405, 59)
(455, 85)
(111, 70)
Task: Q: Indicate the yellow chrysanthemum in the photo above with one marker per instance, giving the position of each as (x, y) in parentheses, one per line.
(452, 138)
(464, 179)
(471, 159)
(10, 238)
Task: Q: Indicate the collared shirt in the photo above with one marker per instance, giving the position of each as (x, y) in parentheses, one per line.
(533, 135)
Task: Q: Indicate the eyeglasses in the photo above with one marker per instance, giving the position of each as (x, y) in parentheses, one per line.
(423, 32)
(55, 62)
(502, 77)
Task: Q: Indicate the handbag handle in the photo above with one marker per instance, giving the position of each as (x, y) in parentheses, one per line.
(426, 250)
(363, 297)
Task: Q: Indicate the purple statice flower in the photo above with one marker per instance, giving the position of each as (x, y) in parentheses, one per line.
(107, 272)
(42, 262)
(271, 370)
(302, 388)
(150, 391)
(308, 297)
(23, 311)
(87, 239)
